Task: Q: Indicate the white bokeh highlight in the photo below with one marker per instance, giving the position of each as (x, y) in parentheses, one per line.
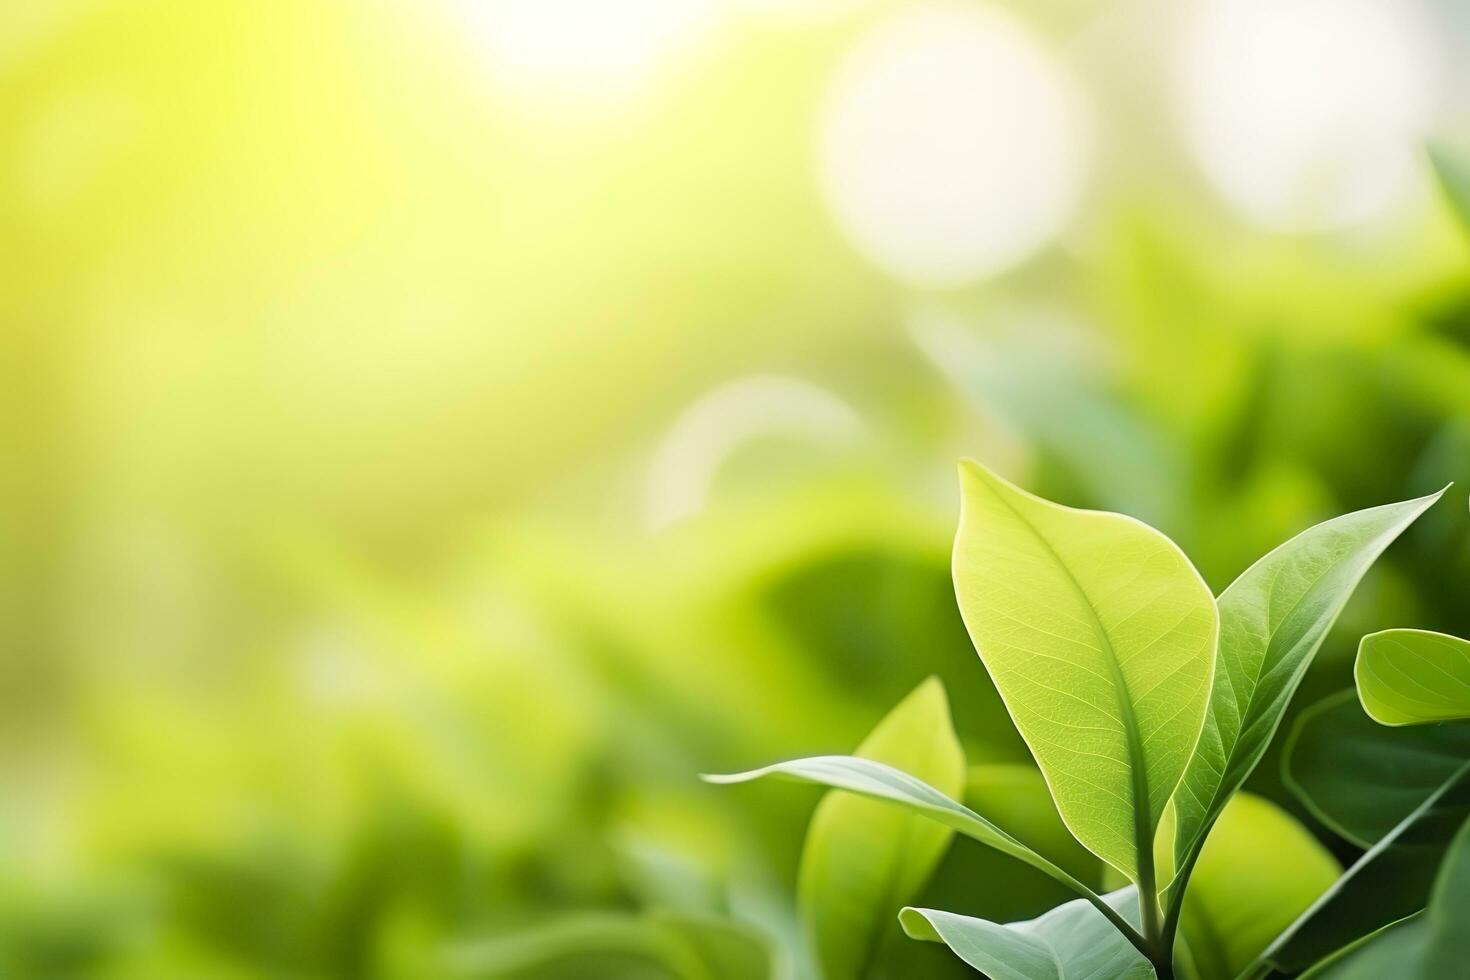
(1307, 115)
(712, 429)
(583, 46)
(952, 144)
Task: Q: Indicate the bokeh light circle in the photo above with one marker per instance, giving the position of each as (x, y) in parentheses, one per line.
(952, 144)
(583, 46)
(1307, 114)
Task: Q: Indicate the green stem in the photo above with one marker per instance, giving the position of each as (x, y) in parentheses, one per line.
(1111, 914)
(1175, 904)
(1148, 902)
(1180, 884)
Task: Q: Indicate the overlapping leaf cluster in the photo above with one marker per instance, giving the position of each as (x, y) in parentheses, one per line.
(1146, 702)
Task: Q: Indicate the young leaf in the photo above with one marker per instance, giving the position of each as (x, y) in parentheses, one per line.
(1100, 636)
(1413, 677)
(1070, 941)
(863, 859)
(1272, 620)
(1259, 870)
(1431, 946)
(877, 781)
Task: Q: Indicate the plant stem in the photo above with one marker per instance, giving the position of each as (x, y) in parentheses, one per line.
(1177, 888)
(1159, 954)
(1111, 914)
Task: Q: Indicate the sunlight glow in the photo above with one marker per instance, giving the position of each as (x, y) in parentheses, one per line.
(953, 145)
(584, 45)
(1306, 114)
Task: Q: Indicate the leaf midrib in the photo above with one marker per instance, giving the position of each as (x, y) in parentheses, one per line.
(1142, 807)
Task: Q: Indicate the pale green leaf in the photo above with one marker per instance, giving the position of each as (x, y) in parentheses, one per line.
(1259, 870)
(1272, 620)
(1071, 942)
(864, 859)
(873, 779)
(1100, 636)
(1413, 677)
(880, 782)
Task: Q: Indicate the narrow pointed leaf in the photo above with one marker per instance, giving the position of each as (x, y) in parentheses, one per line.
(1272, 621)
(864, 860)
(1100, 636)
(873, 779)
(1071, 942)
(880, 782)
(1413, 677)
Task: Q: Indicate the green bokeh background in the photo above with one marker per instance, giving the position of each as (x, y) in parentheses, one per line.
(335, 638)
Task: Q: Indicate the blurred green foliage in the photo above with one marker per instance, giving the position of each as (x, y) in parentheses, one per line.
(333, 639)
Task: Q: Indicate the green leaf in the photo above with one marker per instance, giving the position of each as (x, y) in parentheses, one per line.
(1272, 620)
(880, 782)
(877, 781)
(1402, 790)
(1431, 946)
(1378, 955)
(1259, 870)
(1448, 949)
(1070, 941)
(1413, 677)
(1100, 636)
(864, 859)
(1360, 778)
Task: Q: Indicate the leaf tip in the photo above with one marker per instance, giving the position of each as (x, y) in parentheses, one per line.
(728, 778)
(916, 925)
(930, 688)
